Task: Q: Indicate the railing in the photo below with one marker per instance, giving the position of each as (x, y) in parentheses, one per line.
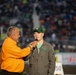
(68, 43)
(64, 43)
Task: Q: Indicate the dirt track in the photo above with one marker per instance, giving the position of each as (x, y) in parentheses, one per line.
(68, 69)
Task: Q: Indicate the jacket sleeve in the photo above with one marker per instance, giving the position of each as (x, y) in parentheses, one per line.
(16, 52)
(51, 58)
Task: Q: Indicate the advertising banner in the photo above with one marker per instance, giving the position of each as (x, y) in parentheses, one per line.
(66, 58)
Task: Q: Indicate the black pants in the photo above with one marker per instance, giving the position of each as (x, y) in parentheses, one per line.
(4, 72)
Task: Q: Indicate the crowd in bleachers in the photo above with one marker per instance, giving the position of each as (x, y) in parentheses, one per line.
(19, 13)
(57, 16)
(59, 19)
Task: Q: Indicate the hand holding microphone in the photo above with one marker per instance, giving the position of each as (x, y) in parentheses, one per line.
(32, 44)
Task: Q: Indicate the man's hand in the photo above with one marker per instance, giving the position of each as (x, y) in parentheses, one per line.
(32, 44)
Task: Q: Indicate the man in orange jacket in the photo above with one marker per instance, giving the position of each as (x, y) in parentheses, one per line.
(12, 55)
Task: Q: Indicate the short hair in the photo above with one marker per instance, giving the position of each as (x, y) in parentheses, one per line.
(9, 30)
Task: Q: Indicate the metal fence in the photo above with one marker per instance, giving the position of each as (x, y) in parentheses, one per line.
(69, 43)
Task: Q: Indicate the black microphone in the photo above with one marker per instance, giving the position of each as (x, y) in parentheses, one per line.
(36, 40)
(35, 46)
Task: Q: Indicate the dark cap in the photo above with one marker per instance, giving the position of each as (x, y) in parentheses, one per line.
(40, 29)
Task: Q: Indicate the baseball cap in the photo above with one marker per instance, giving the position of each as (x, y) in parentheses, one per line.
(40, 29)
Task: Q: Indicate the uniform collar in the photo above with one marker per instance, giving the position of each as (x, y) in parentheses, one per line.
(43, 48)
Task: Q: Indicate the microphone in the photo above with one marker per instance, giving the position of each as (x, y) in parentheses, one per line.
(36, 40)
(35, 46)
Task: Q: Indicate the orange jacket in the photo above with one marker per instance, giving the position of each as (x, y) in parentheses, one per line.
(12, 56)
(0, 60)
